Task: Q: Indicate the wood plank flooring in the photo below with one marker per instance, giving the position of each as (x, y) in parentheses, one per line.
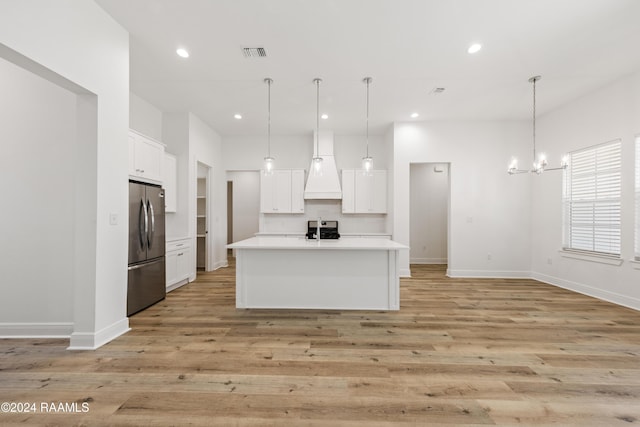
(460, 352)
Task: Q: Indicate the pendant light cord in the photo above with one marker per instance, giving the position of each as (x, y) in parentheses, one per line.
(269, 81)
(317, 81)
(367, 80)
(534, 119)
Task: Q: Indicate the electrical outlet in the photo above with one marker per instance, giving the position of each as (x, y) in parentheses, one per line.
(113, 219)
(549, 261)
(488, 257)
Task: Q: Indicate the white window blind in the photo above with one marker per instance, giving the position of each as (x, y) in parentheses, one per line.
(637, 251)
(591, 199)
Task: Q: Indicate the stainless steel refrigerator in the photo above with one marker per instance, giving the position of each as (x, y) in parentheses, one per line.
(147, 277)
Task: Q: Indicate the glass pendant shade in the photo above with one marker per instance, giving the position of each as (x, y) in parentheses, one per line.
(317, 166)
(268, 165)
(367, 164)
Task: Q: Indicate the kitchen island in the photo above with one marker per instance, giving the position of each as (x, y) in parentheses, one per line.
(290, 272)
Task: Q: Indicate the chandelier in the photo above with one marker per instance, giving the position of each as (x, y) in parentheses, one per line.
(539, 162)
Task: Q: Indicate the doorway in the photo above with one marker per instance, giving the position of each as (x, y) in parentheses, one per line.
(429, 213)
(243, 204)
(202, 217)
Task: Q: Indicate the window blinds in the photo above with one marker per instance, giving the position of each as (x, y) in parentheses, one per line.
(637, 246)
(591, 199)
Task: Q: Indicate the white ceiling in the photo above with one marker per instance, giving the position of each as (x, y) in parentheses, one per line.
(409, 47)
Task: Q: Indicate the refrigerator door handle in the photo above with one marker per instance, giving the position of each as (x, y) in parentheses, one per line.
(153, 224)
(143, 223)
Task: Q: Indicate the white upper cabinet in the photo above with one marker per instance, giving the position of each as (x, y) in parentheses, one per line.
(348, 191)
(297, 191)
(282, 191)
(364, 193)
(146, 158)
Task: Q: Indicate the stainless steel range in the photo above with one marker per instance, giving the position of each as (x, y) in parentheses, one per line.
(328, 230)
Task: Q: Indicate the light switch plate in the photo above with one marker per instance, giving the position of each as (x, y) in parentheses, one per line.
(113, 219)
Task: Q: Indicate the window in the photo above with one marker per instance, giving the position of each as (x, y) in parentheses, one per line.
(591, 199)
(637, 252)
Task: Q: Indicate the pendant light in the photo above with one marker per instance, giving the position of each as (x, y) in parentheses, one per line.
(317, 159)
(539, 164)
(268, 161)
(367, 161)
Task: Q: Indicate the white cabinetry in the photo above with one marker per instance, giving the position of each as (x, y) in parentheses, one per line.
(364, 193)
(146, 158)
(282, 191)
(297, 191)
(170, 183)
(178, 263)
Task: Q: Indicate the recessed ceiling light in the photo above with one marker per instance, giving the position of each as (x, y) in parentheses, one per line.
(414, 115)
(324, 116)
(237, 116)
(474, 48)
(182, 53)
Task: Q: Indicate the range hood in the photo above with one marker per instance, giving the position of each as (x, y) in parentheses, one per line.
(326, 185)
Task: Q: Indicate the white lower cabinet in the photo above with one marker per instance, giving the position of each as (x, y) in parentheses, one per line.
(178, 263)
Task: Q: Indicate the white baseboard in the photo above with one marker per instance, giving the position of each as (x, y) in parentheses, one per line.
(615, 298)
(428, 261)
(221, 264)
(404, 272)
(493, 274)
(36, 330)
(94, 340)
(177, 285)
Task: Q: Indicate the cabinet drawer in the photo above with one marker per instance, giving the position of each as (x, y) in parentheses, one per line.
(177, 245)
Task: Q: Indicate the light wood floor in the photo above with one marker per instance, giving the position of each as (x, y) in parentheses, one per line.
(459, 352)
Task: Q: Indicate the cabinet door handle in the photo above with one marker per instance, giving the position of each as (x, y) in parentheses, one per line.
(181, 253)
(180, 244)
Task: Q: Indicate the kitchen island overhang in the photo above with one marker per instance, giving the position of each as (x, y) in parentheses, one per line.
(295, 273)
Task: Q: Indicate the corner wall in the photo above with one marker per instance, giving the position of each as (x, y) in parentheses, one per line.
(606, 114)
(489, 222)
(76, 45)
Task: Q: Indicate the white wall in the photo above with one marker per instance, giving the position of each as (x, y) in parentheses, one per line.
(609, 113)
(144, 117)
(36, 175)
(489, 210)
(246, 203)
(429, 213)
(77, 45)
(175, 134)
(206, 147)
(295, 152)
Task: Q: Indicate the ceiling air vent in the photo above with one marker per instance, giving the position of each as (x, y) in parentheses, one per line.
(254, 52)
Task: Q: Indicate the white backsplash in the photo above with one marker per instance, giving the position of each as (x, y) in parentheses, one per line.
(327, 210)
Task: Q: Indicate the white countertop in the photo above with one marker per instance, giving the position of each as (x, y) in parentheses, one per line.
(302, 243)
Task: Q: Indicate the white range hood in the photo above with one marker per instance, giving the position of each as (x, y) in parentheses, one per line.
(326, 185)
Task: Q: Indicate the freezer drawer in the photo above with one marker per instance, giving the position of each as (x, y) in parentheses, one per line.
(146, 285)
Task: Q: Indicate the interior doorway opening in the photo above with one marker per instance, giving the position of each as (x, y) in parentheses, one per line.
(202, 218)
(429, 213)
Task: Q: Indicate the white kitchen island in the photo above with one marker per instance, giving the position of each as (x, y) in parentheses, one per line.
(290, 272)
